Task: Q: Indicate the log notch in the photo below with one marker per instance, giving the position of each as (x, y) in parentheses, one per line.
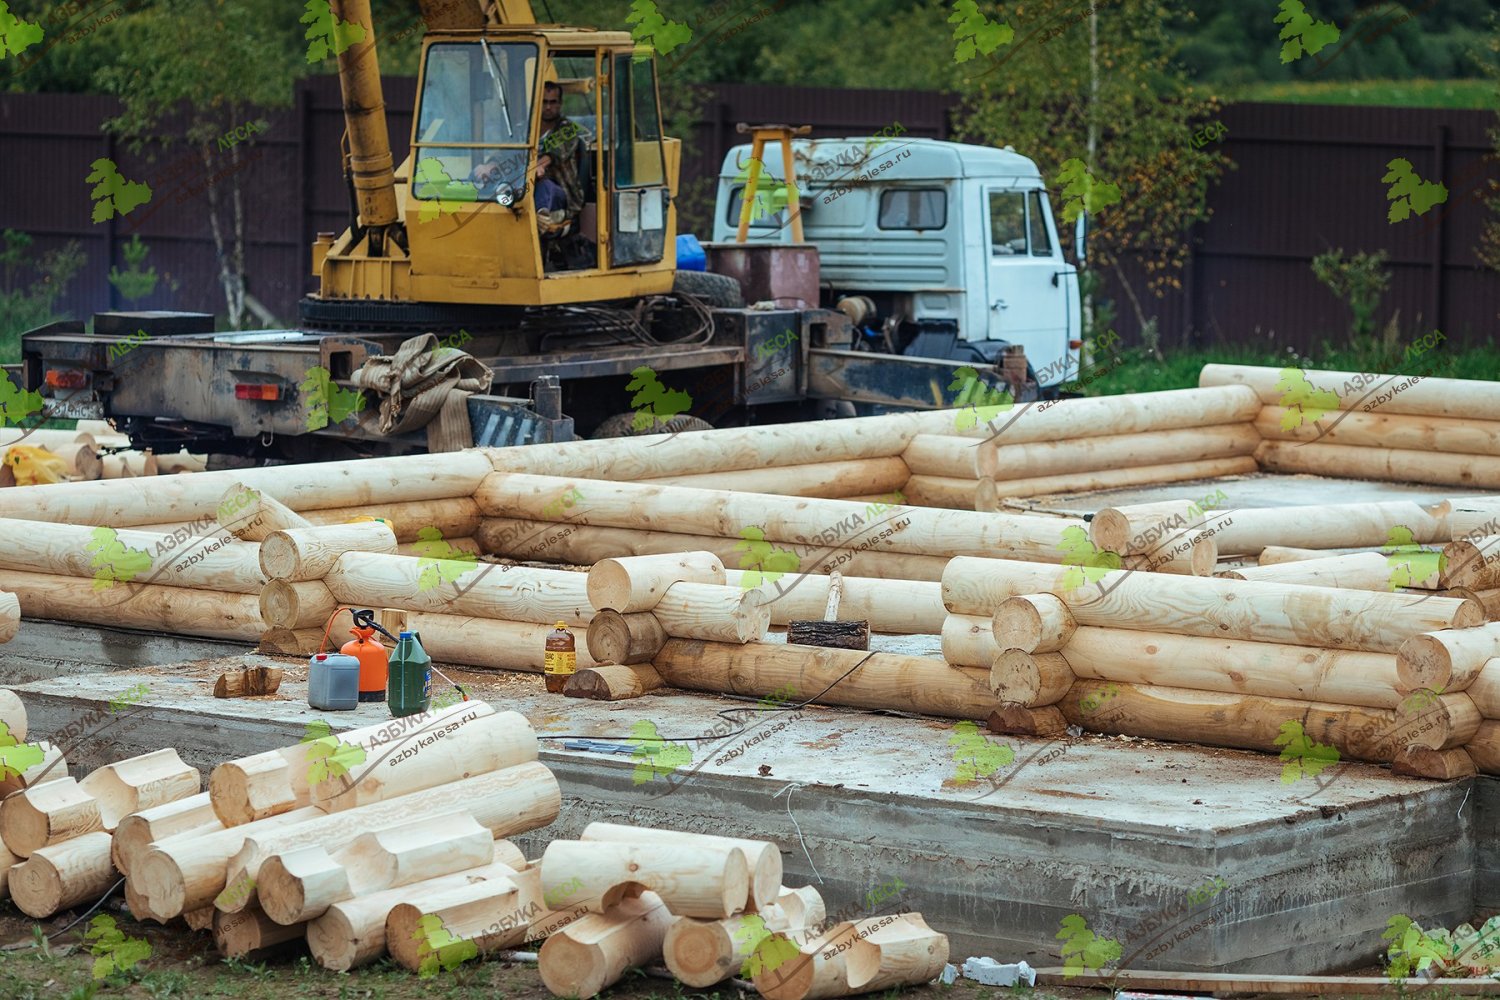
(298, 554)
(1236, 609)
(136, 832)
(305, 605)
(717, 613)
(1033, 623)
(251, 934)
(1143, 528)
(252, 788)
(63, 875)
(614, 637)
(1441, 765)
(1032, 680)
(300, 885)
(638, 583)
(12, 710)
(49, 813)
(696, 881)
(1015, 720)
(486, 916)
(762, 858)
(1474, 564)
(10, 616)
(52, 767)
(251, 516)
(592, 954)
(909, 952)
(141, 782)
(702, 953)
(1439, 723)
(1446, 661)
(969, 641)
(248, 682)
(613, 682)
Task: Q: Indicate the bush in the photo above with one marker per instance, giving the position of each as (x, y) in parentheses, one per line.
(23, 309)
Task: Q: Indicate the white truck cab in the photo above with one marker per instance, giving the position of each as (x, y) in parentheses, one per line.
(954, 245)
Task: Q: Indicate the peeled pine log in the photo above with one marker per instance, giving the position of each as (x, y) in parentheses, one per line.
(250, 933)
(248, 682)
(351, 933)
(40, 437)
(1118, 451)
(183, 461)
(1421, 397)
(716, 613)
(199, 920)
(1144, 528)
(62, 875)
(49, 813)
(506, 802)
(1487, 599)
(1446, 721)
(925, 531)
(1235, 666)
(694, 881)
(423, 549)
(762, 858)
(1033, 623)
(189, 611)
(127, 465)
(303, 642)
(1484, 747)
(1197, 556)
(701, 953)
(52, 767)
(138, 831)
(70, 551)
(944, 455)
(309, 553)
(1360, 571)
(12, 709)
(826, 480)
(905, 607)
(1033, 680)
(884, 680)
(304, 605)
(142, 782)
(1442, 765)
(877, 953)
(613, 682)
(1446, 661)
(941, 491)
(1016, 720)
(515, 593)
(452, 517)
(1103, 415)
(969, 641)
(1351, 525)
(1232, 609)
(10, 617)
(299, 885)
(592, 954)
(1485, 690)
(479, 642)
(625, 638)
(1473, 563)
(1273, 555)
(1464, 435)
(991, 492)
(488, 915)
(638, 583)
(1342, 461)
(251, 515)
(587, 544)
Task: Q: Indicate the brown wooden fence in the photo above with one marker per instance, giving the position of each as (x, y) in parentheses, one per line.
(1308, 178)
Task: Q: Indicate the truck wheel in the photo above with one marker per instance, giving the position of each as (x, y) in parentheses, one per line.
(717, 290)
(623, 425)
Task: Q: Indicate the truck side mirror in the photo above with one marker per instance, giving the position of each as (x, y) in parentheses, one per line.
(1080, 235)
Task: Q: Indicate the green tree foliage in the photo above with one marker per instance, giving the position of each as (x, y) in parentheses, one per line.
(1359, 280)
(113, 952)
(27, 305)
(135, 282)
(16, 36)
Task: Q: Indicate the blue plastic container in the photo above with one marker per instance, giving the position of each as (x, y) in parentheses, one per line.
(690, 254)
(333, 682)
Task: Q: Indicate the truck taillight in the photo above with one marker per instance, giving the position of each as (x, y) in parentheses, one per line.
(252, 390)
(70, 379)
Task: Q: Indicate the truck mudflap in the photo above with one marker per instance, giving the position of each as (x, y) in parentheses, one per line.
(899, 380)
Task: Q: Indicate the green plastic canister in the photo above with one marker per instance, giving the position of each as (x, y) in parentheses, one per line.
(409, 684)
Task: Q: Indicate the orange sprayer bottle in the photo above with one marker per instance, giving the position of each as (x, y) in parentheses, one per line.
(561, 658)
(374, 660)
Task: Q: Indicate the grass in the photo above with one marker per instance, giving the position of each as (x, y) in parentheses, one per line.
(1462, 94)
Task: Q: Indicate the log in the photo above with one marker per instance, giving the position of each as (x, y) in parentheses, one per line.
(52, 767)
(1032, 680)
(468, 545)
(364, 482)
(1070, 456)
(81, 458)
(716, 613)
(762, 858)
(702, 953)
(1015, 720)
(992, 492)
(825, 480)
(302, 642)
(508, 593)
(478, 642)
(832, 634)
(1147, 527)
(1420, 397)
(250, 934)
(201, 562)
(1354, 525)
(969, 641)
(907, 607)
(248, 682)
(1231, 609)
(873, 954)
(613, 682)
(300, 885)
(183, 461)
(582, 544)
(638, 583)
(819, 966)
(837, 676)
(1442, 765)
(10, 617)
(12, 710)
(40, 437)
(1484, 747)
(127, 465)
(1473, 563)
(1032, 623)
(1465, 436)
(306, 605)
(309, 553)
(141, 782)
(1235, 666)
(944, 455)
(201, 919)
(452, 517)
(1485, 690)
(49, 813)
(62, 875)
(1439, 722)
(506, 802)
(923, 531)
(1446, 661)
(693, 881)
(1055, 420)
(461, 922)
(625, 638)
(251, 515)
(1359, 571)
(1273, 555)
(138, 831)
(592, 954)
(1389, 464)
(251, 788)
(1487, 599)
(1474, 518)
(184, 610)
(942, 491)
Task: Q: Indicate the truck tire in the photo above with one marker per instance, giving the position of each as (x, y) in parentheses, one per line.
(623, 425)
(717, 290)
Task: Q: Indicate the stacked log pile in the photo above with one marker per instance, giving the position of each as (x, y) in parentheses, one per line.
(1442, 431)
(1225, 662)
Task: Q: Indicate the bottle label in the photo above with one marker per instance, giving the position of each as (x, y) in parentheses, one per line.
(558, 662)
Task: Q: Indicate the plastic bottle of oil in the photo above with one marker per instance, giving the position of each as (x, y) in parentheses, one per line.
(409, 683)
(561, 658)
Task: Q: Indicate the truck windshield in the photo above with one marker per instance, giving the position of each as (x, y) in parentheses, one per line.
(476, 98)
